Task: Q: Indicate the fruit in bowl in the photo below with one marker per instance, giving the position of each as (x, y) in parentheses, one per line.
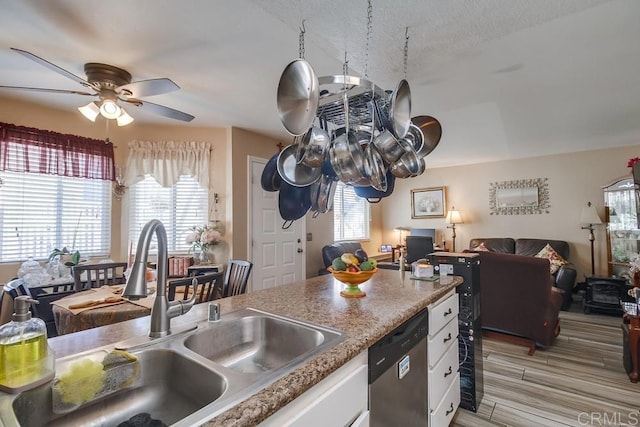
(352, 270)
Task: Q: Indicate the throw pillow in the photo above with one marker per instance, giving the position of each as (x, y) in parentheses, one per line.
(481, 248)
(555, 260)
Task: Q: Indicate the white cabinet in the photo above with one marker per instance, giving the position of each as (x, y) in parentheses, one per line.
(442, 356)
(341, 399)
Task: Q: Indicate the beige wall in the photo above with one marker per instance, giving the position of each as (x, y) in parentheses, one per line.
(244, 144)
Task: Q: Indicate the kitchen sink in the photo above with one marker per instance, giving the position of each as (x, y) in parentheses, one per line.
(257, 343)
(170, 386)
(186, 378)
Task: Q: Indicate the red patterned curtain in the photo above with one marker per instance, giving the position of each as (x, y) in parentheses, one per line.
(24, 149)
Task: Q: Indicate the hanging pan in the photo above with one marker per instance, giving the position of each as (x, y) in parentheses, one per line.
(294, 173)
(271, 179)
(375, 196)
(293, 203)
(298, 96)
(431, 131)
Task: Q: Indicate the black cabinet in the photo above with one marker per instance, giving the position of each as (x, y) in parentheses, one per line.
(605, 294)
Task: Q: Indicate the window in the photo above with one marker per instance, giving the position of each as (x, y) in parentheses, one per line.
(179, 208)
(350, 214)
(40, 212)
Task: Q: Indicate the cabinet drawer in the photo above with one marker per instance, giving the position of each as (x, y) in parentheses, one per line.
(445, 411)
(441, 342)
(442, 313)
(442, 375)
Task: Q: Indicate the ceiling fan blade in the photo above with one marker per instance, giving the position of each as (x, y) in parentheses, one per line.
(52, 67)
(160, 110)
(39, 89)
(150, 87)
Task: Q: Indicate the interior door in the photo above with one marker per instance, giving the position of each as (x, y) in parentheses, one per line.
(277, 255)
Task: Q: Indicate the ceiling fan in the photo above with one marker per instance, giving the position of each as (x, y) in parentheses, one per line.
(111, 84)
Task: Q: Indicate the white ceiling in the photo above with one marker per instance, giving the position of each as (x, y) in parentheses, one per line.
(506, 78)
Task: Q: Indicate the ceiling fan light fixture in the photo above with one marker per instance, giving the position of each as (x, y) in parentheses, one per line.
(124, 118)
(109, 109)
(90, 111)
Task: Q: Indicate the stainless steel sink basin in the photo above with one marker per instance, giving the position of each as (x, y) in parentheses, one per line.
(185, 379)
(170, 387)
(255, 344)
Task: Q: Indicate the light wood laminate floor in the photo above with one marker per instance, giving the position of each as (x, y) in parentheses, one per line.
(579, 381)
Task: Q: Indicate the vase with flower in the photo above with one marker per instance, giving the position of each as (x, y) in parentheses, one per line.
(634, 269)
(203, 238)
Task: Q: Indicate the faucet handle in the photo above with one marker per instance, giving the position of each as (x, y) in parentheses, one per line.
(214, 312)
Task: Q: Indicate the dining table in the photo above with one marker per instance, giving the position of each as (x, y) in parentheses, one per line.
(98, 307)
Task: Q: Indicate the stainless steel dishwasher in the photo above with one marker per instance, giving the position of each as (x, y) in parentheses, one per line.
(398, 375)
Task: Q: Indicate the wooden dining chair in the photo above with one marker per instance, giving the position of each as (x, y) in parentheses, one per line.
(209, 286)
(236, 277)
(87, 276)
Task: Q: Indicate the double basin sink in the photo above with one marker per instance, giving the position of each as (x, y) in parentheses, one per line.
(188, 378)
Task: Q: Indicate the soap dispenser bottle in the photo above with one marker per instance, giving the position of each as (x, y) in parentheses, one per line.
(25, 358)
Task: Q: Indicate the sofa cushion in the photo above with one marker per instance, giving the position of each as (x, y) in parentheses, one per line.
(555, 260)
(480, 248)
(505, 245)
(531, 247)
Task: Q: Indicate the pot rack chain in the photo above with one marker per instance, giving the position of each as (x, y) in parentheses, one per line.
(369, 33)
(406, 51)
(301, 40)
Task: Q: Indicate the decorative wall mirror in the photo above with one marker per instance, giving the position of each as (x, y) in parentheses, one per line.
(519, 197)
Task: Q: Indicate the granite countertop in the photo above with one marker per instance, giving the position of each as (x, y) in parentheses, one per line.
(390, 301)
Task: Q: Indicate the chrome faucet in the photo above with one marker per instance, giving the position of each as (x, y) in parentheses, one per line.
(163, 310)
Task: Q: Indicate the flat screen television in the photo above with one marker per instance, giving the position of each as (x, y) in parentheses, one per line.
(418, 247)
(429, 232)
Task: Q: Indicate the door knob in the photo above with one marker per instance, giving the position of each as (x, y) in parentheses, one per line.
(300, 250)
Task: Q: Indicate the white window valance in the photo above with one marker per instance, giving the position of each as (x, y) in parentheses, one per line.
(165, 161)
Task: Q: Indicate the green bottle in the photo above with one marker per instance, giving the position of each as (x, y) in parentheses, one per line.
(25, 358)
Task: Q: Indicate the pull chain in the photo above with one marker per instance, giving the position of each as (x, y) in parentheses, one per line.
(406, 50)
(369, 31)
(301, 41)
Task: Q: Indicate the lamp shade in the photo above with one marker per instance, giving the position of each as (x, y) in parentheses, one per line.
(589, 215)
(90, 111)
(453, 216)
(124, 118)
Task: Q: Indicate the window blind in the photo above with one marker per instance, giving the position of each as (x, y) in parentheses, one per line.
(350, 214)
(179, 207)
(41, 212)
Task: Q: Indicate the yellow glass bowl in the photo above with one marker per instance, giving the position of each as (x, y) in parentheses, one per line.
(352, 278)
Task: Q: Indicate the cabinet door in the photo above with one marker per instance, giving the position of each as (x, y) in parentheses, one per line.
(338, 400)
(621, 217)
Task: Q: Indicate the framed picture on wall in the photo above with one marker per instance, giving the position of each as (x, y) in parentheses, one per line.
(428, 202)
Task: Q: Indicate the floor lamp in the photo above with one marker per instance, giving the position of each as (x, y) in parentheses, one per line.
(453, 218)
(589, 217)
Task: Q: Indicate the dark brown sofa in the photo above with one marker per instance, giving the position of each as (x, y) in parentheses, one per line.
(563, 279)
(518, 299)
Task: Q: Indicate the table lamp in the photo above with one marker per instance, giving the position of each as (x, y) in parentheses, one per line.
(400, 230)
(589, 216)
(453, 218)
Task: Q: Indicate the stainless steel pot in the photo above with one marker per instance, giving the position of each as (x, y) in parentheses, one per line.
(312, 147)
(431, 131)
(415, 137)
(298, 96)
(378, 175)
(406, 166)
(347, 160)
(322, 193)
(295, 174)
(388, 146)
(400, 109)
